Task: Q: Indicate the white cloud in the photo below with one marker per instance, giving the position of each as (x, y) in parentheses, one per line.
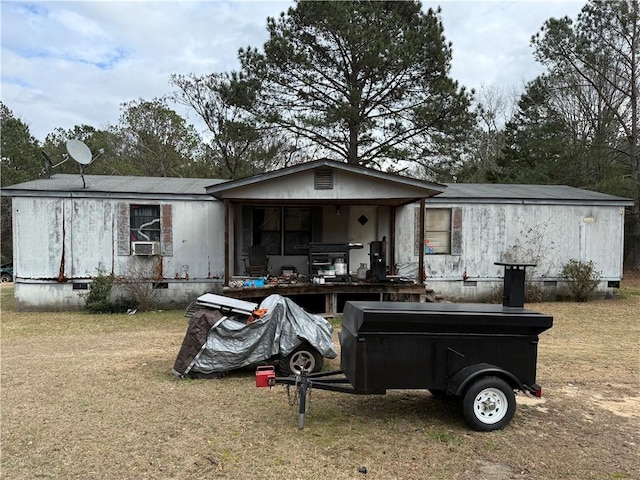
(491, 39)
(71, 63)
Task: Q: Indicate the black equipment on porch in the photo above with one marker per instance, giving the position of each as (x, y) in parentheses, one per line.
(378, 260)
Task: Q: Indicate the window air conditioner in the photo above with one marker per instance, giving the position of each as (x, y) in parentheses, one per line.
(145, 248)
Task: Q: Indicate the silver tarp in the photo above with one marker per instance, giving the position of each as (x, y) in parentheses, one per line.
(233, 343)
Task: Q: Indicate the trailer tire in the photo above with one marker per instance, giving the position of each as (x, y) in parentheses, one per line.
(304, 356)
(489, 404)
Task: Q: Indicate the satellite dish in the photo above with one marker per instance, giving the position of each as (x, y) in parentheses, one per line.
(79, 152)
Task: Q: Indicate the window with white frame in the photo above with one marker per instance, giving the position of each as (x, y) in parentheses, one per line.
(437, 231)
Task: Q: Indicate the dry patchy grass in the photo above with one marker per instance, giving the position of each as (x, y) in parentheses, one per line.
(90, 396)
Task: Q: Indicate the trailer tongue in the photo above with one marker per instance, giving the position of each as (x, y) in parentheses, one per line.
(480, 353)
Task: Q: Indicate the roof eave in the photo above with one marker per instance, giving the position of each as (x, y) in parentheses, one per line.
(219, 190)
(617, 202)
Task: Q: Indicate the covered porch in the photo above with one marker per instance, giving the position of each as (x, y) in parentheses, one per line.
(327, 230)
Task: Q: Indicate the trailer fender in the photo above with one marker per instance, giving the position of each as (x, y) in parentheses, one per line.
(460, 380)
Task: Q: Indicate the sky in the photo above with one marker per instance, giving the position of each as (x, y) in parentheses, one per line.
(72, 63)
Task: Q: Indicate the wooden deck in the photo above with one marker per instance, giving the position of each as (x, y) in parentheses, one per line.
(335, 294)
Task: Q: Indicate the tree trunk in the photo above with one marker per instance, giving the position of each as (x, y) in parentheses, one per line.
(633, 253)
(353, 144)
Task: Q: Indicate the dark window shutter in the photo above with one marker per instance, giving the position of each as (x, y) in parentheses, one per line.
(124, 229)
(166, 229)
(456, 231)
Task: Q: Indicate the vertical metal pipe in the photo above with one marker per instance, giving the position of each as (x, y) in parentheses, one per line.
(302, 400)
(226, 241)
(421, 274)
(392, 242)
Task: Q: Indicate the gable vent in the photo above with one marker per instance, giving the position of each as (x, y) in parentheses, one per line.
(324, 179)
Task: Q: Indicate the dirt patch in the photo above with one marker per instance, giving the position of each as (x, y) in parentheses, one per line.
(628, 407)
(494, 471)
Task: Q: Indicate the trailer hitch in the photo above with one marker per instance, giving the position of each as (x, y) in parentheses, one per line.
(333, 381)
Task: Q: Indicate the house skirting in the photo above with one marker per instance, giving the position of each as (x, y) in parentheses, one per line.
(51, 296)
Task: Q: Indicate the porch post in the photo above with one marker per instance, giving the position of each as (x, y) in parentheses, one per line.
(421, 244)
(392, 243)
(226, 241)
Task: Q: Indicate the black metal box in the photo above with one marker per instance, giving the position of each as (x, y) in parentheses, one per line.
(401, 345)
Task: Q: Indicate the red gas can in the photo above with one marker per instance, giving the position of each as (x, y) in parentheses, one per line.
(264, 373)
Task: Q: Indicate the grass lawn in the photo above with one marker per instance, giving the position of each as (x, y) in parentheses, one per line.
(92, 397)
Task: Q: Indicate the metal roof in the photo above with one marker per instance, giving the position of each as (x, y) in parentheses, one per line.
(203, 188)
(108, 185)
(518, 193)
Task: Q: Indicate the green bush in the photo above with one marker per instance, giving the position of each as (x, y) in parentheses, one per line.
(582, 279)
(98, 300)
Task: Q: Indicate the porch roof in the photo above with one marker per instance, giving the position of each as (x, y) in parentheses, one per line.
(326, 181)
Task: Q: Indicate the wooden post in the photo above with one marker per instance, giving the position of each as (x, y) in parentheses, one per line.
(226, 241)
(421, 244)
(392, 242)
(331, 303)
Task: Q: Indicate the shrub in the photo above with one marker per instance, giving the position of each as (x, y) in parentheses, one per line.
(138, 283)
(532, 294)
(98, 300)
(581, 277)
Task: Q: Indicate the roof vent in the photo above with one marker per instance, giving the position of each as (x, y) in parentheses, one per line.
(324, 179)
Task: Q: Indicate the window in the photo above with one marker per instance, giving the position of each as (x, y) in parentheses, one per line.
(145, 223)
(297, 229)
(437, 234)
(282, 230)
(266, 229)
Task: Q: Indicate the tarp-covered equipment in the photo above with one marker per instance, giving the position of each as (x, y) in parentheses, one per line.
(227, 334)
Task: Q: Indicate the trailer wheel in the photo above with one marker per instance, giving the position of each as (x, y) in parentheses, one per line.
(304, 356)
(489, 404)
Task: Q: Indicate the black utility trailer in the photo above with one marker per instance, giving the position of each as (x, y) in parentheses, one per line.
(478, 352)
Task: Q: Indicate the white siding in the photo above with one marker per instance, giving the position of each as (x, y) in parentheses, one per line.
(38, 237)
(75, 239)
(346, 185)
(553, 234)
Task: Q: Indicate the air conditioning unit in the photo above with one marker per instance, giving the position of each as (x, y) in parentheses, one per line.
(145, 248)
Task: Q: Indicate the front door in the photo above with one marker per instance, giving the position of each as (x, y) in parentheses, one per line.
(363, 228)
